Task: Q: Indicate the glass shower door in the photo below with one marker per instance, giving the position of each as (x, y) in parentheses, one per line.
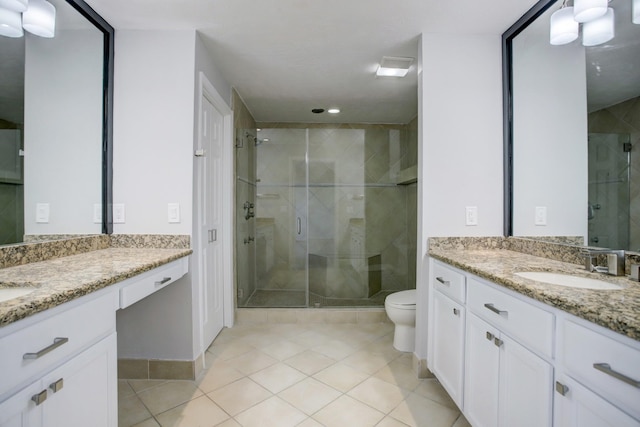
(281, 219)
(609, 191)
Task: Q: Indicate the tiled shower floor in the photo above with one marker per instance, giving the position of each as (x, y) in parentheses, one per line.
(295, 375)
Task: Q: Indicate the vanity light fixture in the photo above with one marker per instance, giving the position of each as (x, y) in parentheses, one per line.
(36, 16)
(598, 22)
(394, 66)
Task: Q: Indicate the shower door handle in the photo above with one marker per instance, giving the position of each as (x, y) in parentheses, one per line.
(299, 222)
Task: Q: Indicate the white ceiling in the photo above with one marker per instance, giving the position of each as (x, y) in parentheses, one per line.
(286, 57)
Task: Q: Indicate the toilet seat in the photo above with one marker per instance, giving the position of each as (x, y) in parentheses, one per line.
(403, 300)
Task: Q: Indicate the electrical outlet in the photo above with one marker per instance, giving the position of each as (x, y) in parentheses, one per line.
(42, 213)
(97, 213)
(174, 213)
(541, 215)
(471, 215)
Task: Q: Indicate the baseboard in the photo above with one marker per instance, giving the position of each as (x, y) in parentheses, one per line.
(154, 369)
(311, 315)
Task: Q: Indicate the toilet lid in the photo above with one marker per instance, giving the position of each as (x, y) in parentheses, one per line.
(402, 298)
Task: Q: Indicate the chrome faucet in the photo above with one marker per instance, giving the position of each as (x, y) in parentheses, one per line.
(615, 261)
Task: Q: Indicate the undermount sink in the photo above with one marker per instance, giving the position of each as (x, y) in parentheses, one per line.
(11, 293)
(568, 280)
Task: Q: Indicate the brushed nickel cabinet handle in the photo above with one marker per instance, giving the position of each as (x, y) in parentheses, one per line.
(456, 311)
(490, 336)
(561, 388)
(495, 310)
(56, 386)
(57, 342)
(163, 281)
(498, 342)
(39, 398)
(606, 368)
(444, 282)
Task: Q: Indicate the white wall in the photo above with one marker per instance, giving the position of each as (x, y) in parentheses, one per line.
(153, 129)
(460, 106)
(550, 135)
(63, 131)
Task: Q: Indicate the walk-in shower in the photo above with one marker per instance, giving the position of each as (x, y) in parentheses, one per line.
(326, 215)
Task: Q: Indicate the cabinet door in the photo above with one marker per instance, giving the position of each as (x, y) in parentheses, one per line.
(83, 391)
(580, 407)
(20, 410)
(448, 356)
(481, 373)
(526, 383)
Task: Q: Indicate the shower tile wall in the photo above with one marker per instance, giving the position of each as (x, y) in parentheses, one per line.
(245, 132)
(625, 118)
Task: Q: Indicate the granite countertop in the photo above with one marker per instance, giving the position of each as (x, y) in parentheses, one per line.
(617, 310)
(63, 279)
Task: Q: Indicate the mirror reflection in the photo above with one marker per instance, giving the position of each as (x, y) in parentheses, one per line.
(51, 130)
(576, 134)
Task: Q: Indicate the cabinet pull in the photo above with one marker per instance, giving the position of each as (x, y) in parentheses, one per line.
(561, 388)
(39, 398)
(57, 342)
(444, 282)
(163, 281)
(56, 386)
(456, 311)
(490, 336)
(498, 342)
(495, 310)
(606, 368)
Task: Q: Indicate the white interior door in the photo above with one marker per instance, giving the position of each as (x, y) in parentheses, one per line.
(210, 220)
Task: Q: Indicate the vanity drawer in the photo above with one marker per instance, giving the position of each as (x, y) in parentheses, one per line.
(139, 287)
(617, 365)
(29, 352)
(449, 281)
(528, 324)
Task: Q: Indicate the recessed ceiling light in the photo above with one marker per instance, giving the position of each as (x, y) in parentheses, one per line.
(317, 110)
(333, 110)
(394, 66)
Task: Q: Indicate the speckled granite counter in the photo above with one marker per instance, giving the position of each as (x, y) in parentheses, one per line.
(59, 280)
(618, 310)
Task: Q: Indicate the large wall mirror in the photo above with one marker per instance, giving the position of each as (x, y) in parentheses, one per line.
(572, 132)
(56, 103)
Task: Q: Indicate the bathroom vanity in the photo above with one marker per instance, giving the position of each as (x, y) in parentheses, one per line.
(58, 349)
(513, 351)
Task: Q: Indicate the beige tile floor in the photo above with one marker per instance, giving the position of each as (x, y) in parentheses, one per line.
(295, 375)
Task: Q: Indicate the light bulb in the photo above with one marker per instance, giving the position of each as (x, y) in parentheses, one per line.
(10, 23)
(563, 28)
(588, 10)
(599, 31)
(14, 5)
(40, 18)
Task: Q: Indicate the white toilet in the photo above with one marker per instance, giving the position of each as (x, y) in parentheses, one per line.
(401, 309)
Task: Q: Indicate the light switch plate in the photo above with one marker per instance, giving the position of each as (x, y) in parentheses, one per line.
(42, 213)
(174, 213)
(118, 213)
(471, 215)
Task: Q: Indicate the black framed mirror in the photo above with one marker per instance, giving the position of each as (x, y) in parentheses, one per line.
(572, 132)
(56, 128)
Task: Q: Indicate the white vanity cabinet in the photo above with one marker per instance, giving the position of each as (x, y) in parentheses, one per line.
(59, 366)
(448, 331)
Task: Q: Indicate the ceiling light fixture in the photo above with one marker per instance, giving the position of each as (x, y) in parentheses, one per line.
(563, 28)
(394, 66)
(599, 31)
(333, 110)
(38, 17)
